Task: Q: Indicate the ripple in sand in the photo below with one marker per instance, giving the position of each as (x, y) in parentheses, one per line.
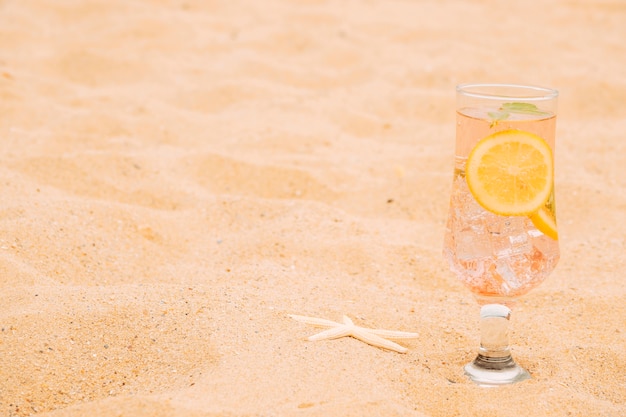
(71, 345)
(231, 176)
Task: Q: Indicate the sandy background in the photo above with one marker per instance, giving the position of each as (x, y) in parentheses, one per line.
(176, 177)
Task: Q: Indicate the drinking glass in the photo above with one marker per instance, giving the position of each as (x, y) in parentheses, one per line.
(501, 238)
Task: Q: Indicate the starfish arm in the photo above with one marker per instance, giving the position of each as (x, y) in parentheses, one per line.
(334, 333)
(374, 337)
(392, 334)
(374, 340)
(314, 321)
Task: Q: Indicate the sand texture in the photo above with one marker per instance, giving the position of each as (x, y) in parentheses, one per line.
(178, 176)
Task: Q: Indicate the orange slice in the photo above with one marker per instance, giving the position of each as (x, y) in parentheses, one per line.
(545, 222)
(510, 173)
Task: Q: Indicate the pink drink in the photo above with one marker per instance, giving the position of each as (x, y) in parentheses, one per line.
(496, 256)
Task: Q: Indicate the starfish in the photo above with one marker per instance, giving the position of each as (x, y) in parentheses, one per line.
(374, 337)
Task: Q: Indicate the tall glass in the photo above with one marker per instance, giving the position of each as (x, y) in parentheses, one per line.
(501, 238)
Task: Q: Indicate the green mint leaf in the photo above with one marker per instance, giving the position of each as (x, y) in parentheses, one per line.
(524, 108)
(498, 115)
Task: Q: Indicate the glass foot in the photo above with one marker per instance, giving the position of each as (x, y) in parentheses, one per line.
(486, 372)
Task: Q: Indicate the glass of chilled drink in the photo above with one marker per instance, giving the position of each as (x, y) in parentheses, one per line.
(501, 238)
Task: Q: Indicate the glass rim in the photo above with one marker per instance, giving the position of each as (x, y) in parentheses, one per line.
(539, 93)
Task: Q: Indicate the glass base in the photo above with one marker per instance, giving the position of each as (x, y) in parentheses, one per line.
(493, 372)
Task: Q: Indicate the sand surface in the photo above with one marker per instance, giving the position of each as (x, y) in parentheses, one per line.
(176, 177)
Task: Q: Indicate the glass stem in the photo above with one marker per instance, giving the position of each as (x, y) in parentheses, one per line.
(494, 352)
(494, 365)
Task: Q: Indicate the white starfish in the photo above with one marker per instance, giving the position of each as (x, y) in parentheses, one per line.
(374, 337)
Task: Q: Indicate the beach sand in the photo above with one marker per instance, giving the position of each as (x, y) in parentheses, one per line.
(177, 177)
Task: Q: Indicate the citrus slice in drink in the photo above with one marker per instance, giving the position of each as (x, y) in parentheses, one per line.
(545, 222)
(510, 173)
